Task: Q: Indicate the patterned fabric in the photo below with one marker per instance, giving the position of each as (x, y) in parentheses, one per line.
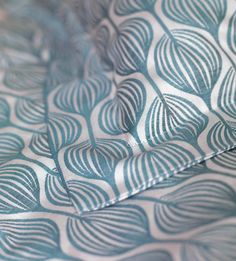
(102, 99)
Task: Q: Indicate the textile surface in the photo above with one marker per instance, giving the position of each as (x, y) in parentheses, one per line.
(117, 130)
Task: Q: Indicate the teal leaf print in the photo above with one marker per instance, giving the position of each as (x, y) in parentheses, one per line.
(97, 161)
(123, 113)
(227, 94)
(188, 61)
(221, 136)
(55, 191)
(226, 159)
(105, 232)
(25, 77)
(153, 164)
(11, 147)
(231, 35)
(127, 7)
(19, 189)
(182, 176)
(193, 205)
(81, 96)
(30, 111)
(39, 144)
(215, 243)
(4, 113)
(157, 255)
(205, 14)
(36, 239)
(174, 117)
(86, 196)
(130, 45)
(64, 130)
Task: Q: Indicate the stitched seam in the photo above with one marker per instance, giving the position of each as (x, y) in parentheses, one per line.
(152, 181)
(53, 152)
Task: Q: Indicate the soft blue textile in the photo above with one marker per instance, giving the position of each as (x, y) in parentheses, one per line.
(100, 100)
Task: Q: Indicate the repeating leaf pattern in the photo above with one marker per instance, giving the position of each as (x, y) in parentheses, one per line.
(55, 191)
(193, 205)
(39, 144)
(30, 111)
(11, 147)
(130, 46)
(4, 113)
(207, 14)
(122, 114)
(111, 150)
(226, 160)
(19, 188)
(164, 159)
(220, 136)
(100, 100)
(64, 130)
(82, 96)
(227, 93)
(90, 232)
(85, 195)
(188, 61)
(214, 244)
(14, 239)
(231, 36)
(126, 7)
(174, 118)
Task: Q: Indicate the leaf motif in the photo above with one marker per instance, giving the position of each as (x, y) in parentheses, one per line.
(64, 130)
(221, 136)
(39, 144)
(56, 192)
(188, 61)
(19, 189)
(4, 113)
(36, 239)
(227, 94)
(215, 243)
(175, 117)
(30, 111)
(231, 35)
(105, 232)
(129, 47)
(123, 113)
(182, 176)
(226, 160)
(205, 14)
(143, 170)
(25, 77)
(193, 205)
(86, 196)
(82, 96)
(96, 162)
(156, 255)
(127, 7)
(11, 147)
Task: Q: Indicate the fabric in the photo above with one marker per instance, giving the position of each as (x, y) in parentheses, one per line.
(117, 130)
